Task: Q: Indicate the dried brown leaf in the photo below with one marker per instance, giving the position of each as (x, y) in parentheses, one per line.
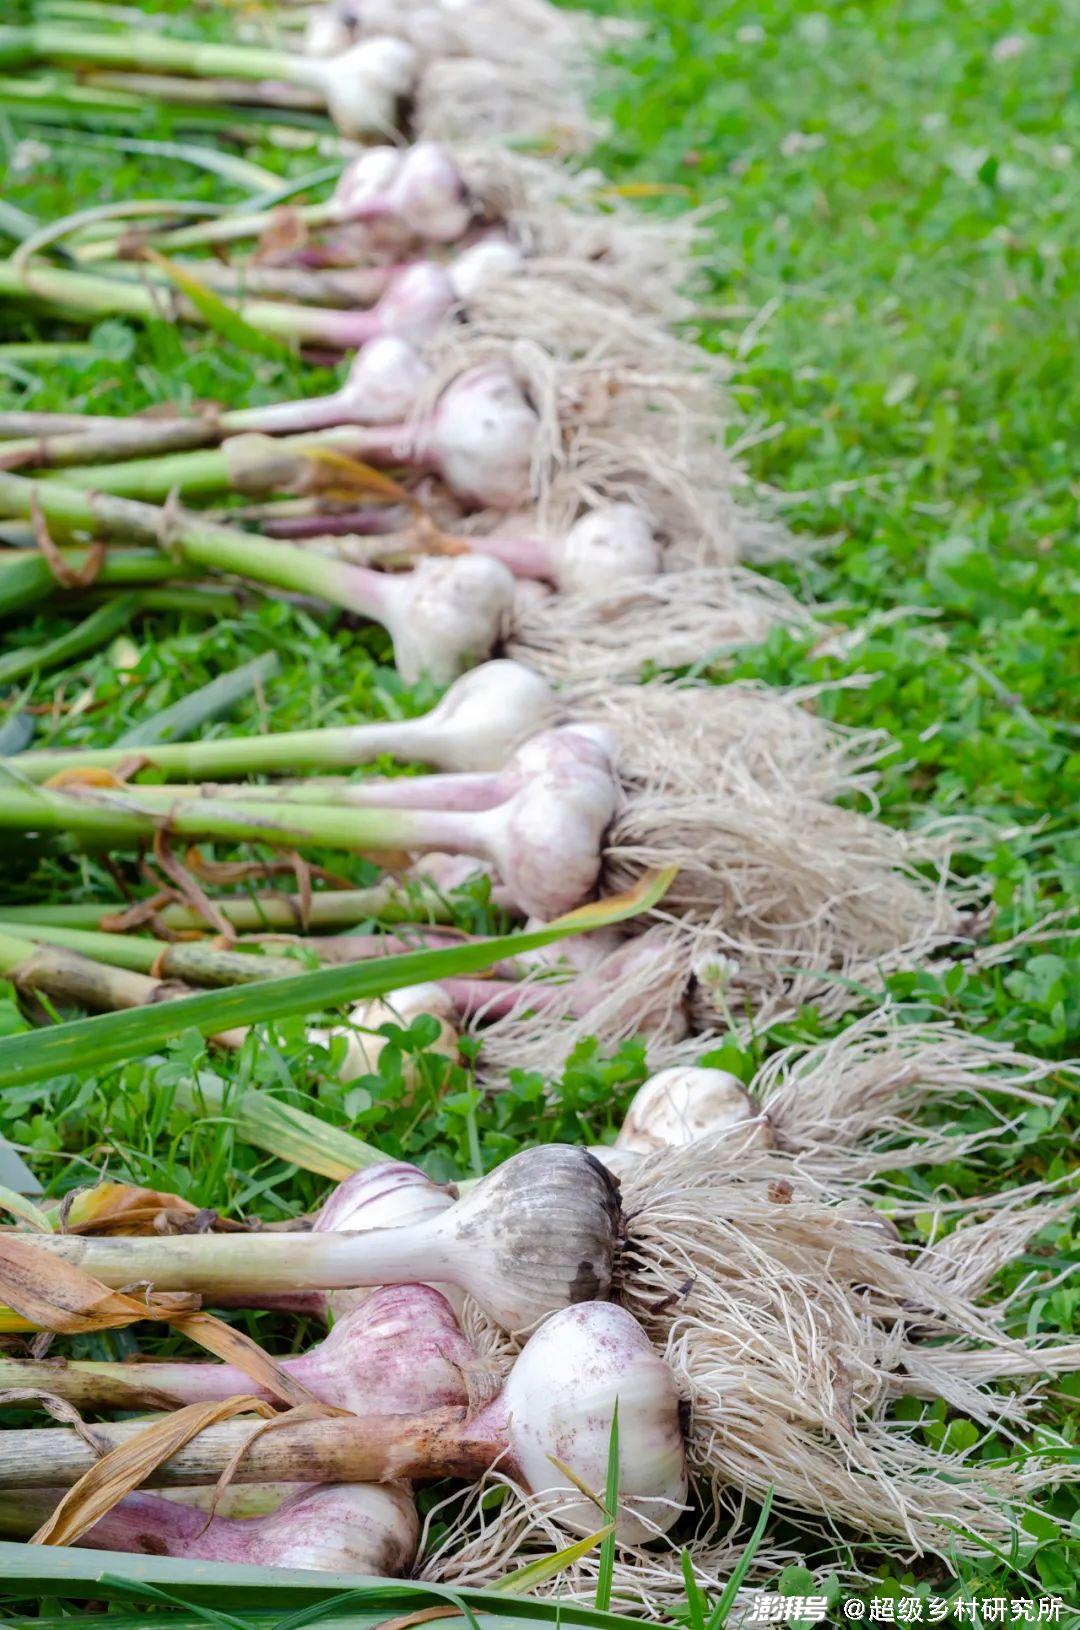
(126, 1467)
(56, 1295)
(61, 1409)
(120, 1208)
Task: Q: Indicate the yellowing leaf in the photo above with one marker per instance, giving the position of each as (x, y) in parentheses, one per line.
(647, 892)
(124, 1468)
(55, 1295)
(25, 1210)
(58, 1296)
(215, 312)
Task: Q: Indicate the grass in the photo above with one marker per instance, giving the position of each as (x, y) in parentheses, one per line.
(892, 269)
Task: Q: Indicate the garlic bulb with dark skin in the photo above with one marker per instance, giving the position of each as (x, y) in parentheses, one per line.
(366, 1528)
(539, 1233)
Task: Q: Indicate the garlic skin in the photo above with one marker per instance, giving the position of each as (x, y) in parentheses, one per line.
(369, 1528)
(483, 439)
(365, 181)
(239, 1500)
(382, 1196)
(326, 33)
(392, 1194)
(416, 194)
(429, 195)
(364, 84)
(559, 1399)
(606, 547)
(400, 1353)
(384, 382)
(418, 300)
(494, 257)
(680, 1105)
(619, 1162)
(447, 872)
(583, 953)
(538, 1234)
(546, 841)
(445, 615)
(364, 1046)
(483, 717)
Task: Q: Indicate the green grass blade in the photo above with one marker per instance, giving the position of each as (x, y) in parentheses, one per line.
(696, 1605)
(28, 579)
(718, 1617)
(113, 1038)
(218, 315)
(19, 1206)
(606, 1572)
(15, 1174)
(283, 190)
(335, 1601)
(547, 1567)
(281, 1129)
(86, 636)
(228, 165)
(221, 695)
(16, 734)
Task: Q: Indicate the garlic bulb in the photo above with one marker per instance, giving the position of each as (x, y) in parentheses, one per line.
(483, 438)
(369, 1528)
(326, 33)
(401, 1353)
(608, 546)
(364, 84)
(546, 841)
(364, 1044)
(484, 262)
(447, 872)
(482, 718)
(383, 383)
(417, 194)
(559, 1400)
(364, 182)
(539, 1233)
(417, 301)
(680, 1105)
(446, 615)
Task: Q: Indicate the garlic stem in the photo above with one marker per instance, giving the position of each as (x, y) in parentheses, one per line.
(538, 1234)
(443, 617)
(360, 87)
(419, 194)
(474, 726)
(480, 439)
